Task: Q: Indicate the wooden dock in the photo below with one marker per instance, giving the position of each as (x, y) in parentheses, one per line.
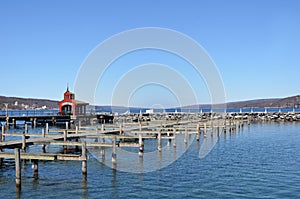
(104, 136)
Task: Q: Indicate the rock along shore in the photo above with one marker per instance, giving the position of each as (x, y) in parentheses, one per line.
(278, 117)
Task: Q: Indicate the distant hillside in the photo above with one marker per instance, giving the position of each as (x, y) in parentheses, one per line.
(27, 103)
(289, 102)
(30, 103)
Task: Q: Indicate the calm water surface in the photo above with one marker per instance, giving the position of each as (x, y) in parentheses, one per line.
(262, 161)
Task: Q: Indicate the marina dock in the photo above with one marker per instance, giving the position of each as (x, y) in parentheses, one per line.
(117, 135)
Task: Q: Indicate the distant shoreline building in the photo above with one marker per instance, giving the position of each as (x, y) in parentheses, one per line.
(70, 106)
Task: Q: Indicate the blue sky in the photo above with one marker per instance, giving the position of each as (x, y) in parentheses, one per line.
(254, 44)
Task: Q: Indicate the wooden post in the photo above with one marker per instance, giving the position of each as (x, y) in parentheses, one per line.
(26, 128)
(2, 134)
(43, 132)
(47, 128)
(34, 122)
(198, 133)
(103, 149)
(7, 122)
(84, 157)
(76, 129)
(53, 121)
(18, 168)
(35, 167)
(121, 130)
(174, 134)
(23, 142)
(141, 145)
(96, 129)
(114, 151)
(204, 133)
(65, 135)
(249, 120)
(185, 136)
(43, 135)
(159, 141)
(67, 125)
(169, 140)
(174, 141)
(65, 140)
(14, 123)
(102, 128)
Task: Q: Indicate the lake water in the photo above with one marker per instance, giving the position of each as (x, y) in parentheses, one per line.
(262, 161)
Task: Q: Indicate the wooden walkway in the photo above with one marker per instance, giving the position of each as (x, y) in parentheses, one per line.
(96, 136)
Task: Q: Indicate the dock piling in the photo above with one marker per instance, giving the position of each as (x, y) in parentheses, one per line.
(114, 151)
(2, 134)
(174, 141)
(18, 168)
(185, 136)
(120, 128)
(65, 139)
(14, 123)
(26, 128)
(159, 141)
(141, 145)
(204, 133)
(47, 128)
(76, 129)
(103, 149)
(35, 164)
(84, 162)
(23, 142)
(198, 133)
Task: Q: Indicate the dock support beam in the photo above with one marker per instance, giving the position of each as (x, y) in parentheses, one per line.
(84, 163)
(65, 140)
(204, 133)
(174, 134)
(114, 152)
(185, 140)
(159, 141)
(14, 123)
(47, 128)
(67, 125)
(35, 164)
(103, 149)
(43, 145)
(18, 168)
(121, 129)
(26, 128)
(76, 129)
(141, 145)
(23, 142)
(198, 133)
(2, 134)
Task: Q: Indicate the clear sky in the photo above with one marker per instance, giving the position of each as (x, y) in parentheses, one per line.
(254, 44)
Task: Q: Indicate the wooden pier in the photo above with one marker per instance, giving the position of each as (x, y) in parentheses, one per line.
(98, 136)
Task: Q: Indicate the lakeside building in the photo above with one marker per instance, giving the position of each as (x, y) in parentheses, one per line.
(70, 106)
